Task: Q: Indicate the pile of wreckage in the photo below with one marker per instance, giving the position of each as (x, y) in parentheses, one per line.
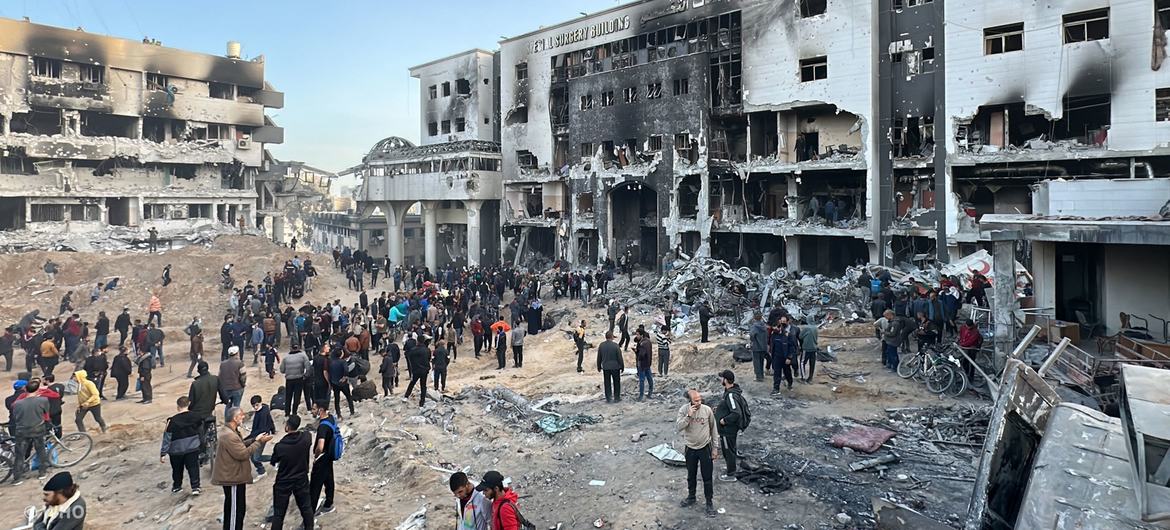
(741, 291)
(110, 238)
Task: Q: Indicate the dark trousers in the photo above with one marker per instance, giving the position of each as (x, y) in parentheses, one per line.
(299, 490)
(123, 385)
(421, 379)
(99, 380)
(810, 364)
(320, 393)
(580, 355)
(441, 379)
(342, 389)
(625, 340)
(780, 370)
(79, 417)
(517, 356)
(758, 363)
(611, 380)
(890, 356)
(152, 316)
(478, 345)
(703, 324)
(122, 337)
(147, 390)
(322, 477)
(293, 388)
(699, 459)
(188, 462)
(663, 362)
(501, 358)
(727, 443)
(26, 444)
(234, 507)
(7, 362)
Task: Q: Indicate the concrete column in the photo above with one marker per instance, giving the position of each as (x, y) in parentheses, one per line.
(430, 234)
(792, 253)
(1004, 294)
(1044, 273)
(796, 208)
(278, 229)
(393, 212)
(474, 252)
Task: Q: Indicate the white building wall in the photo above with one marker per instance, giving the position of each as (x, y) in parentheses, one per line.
(1137, 281)
(1046, 69)
(475, 66)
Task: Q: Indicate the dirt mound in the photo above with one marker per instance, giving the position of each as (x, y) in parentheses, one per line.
(193, 291)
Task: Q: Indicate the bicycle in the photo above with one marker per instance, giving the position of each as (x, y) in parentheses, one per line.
(209, 438)
(937, 368)
(64, 451)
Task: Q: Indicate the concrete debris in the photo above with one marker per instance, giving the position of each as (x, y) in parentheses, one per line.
(111, 237)
(667, 454)
(554, 424)
(414, 521)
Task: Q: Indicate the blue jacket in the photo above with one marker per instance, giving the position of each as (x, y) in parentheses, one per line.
(784, 346)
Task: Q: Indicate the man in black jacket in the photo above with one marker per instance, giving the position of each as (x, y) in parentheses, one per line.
(704, 318)
(728, 415)
(181, 443)
(610, 364)
(291, 457)
(122, 324)
(204, 392)
(418, 361)
(439, 364)
(120, 370)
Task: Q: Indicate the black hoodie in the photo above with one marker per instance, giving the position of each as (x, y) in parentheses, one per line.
(727, 414)
(291, 456)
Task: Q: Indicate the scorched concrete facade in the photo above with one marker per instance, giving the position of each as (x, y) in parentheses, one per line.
(96, 131)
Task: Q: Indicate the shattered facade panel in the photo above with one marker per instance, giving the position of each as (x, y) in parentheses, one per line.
(126, 133)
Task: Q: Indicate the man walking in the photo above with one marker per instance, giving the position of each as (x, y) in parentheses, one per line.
(145, 362)
(232, 467)
(611, 364)
(323, 456)
(418, 363)
(232, 378)
(293, 366)
(88, 401)
(784, 346)
(730, 416)
(579, 340)
(808, 346)
(120, 370)
(181, 444)
(291, 457)
(696, 422)
(644, 358)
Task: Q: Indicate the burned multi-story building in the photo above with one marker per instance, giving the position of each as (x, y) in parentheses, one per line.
(738, 129)
(453, 178)
(97, 131)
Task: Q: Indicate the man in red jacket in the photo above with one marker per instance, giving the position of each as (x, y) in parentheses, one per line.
(505, 513)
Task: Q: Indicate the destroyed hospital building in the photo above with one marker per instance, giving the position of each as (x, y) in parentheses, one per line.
(453, 178)
(98, 131)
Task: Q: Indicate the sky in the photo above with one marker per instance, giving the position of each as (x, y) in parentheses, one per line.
(342, 65)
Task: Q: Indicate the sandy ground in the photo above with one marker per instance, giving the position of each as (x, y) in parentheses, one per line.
(388, 470)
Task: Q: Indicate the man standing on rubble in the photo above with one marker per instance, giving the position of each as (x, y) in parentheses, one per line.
(696, 422)
(808, 345)
(758, 338)
(704, 318)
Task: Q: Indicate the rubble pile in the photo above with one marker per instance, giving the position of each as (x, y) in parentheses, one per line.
(112, 237)
(955, 425)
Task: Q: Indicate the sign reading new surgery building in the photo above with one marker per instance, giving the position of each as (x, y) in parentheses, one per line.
(580, 34)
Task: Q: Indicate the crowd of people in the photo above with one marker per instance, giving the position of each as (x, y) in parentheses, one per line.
(325, 352)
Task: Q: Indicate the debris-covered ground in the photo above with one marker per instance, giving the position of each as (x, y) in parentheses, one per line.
(594, 470)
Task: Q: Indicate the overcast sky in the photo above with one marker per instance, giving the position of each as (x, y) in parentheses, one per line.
(342, 65)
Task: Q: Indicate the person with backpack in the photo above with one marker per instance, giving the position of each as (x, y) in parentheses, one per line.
(327, 448)
(505, 513)
(732, 416)
(181, 444)
(291, 457)
(232, 467)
